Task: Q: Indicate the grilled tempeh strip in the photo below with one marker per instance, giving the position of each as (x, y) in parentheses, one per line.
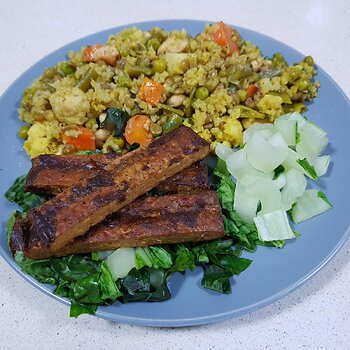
(52, 174)
(72, 212)
(147, 221)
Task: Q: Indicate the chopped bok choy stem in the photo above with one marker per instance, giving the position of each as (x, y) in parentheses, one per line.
(273, 226)
(270, 174)
(310, 204)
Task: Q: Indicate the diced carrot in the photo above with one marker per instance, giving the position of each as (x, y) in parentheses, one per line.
(223, 37)
(150, 92)
(89, 53)
(251, 90)
(137, 130)
(82, 139)
(95, 53)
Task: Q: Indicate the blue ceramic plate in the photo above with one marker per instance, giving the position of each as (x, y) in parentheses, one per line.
(274, 273)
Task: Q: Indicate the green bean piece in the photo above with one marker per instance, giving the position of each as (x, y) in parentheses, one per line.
(49, 87)
(188, 105)
(67, 68)
(154, 42)
(84, 83)
(159, 66)
(172, 110)
(202, 93)
(246, 112)
(278, 60)
(136, 71)
(240, 74)
(23, 132)
(309, 61)
(173, 123)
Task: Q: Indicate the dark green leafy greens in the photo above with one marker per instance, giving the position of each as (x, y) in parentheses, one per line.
(9, 225)
(115, 121)
(147, 284)
(25, 200)
(87, 281)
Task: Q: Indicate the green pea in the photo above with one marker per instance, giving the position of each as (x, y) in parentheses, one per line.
(23, 132)
(136, 71)
(302, 84)
(242, 94)
(123, 81)
(119, 141)
(154, 42)
(309, 61)
(202, 93)
(67, 68)
(278, 60)
(159, 66)
(173, 123)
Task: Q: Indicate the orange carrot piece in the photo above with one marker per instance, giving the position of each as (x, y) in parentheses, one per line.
(150, 92)
(137, 130)
(251, 90)
(89, 53)
(223, 37)
(84, 141)
(95, 53)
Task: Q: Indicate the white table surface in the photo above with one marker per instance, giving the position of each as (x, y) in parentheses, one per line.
(316, 316)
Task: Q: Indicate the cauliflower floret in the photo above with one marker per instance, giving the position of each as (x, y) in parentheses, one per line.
(271, 105)
(230, 131)
(70, 106)
(42, 138)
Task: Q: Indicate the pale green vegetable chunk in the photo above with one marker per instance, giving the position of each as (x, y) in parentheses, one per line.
(311, 203)
(121, 262)
(245, 203)
(273, 226)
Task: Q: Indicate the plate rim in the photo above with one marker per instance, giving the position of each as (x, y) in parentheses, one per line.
(186, 321)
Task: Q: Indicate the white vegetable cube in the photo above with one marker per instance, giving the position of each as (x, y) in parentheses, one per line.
(294, 188)
(223, 151)
(273, 226)
(121, 262)
(266, 155)
(242, 170)
(312, 140)
(268, 194)
(245, 204)
(291, 161)
(301, 121)
(280, 181)
(311, 203)
(288, 129)
(320, 164)
(264, 130)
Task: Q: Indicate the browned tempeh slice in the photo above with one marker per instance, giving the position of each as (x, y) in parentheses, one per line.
(72, 212)
(51, 174)
(147, 221)
(193, 178)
